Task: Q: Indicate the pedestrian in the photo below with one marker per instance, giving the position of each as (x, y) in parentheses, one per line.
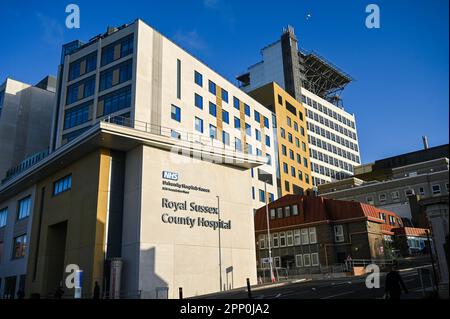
(96, 291)
(394, 284)
(59, 292)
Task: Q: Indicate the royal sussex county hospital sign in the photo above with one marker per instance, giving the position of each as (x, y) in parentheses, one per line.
(201, 215)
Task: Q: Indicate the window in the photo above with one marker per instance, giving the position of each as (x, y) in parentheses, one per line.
(294, 210)
(225, 138)
(115, 75)
(175, 113)
(212, 109)
(282, 239)
(114, 101)
(421, 190)
(248, 129)
(298, 260)
(285, 168)
(383, 216)
(288, 121)
(272, 213)
(297, 238)
(307, 260)
(287, 186)
(212, 131)
(237, 122)
(212, 87)
(289, 238)
(338, 233)
(237, 144)
(253, 192)
(3, 217)
(224, 96)
(280, 212)
(312, 235)
(395, 195)
(257, 117)
(198, 124)
(262, 241)
(24, 208)
(258, 135)
(382, 197)
(89, 64)
(225, 117)
(436, 189)
(20, 245)
(77, 115)
(110, 54)
(305, 237)
(287, 211)
(247, 110)
(198, 78)
(290, 138)
(262, 197)
(314, 259)
(293, 171)
(199, 101)
(62, 185)
(369, 200)
(236, 103)
(268, 140)
(409, 192)
(266, 122)
(282, 133)
(277, 262)
(175, 134)
(275, 240)
(80, 90)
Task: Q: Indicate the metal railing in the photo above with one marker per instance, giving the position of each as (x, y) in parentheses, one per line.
(25, 164)
(203, 140)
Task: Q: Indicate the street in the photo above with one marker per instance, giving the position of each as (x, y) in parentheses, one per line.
(334, 288)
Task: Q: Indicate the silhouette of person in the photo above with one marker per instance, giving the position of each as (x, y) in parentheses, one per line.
(96, 291)
(59, 292)
(394, 284)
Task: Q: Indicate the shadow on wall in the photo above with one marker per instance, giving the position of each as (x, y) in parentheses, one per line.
(150, 284)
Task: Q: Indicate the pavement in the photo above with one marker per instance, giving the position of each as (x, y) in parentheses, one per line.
(329, 288)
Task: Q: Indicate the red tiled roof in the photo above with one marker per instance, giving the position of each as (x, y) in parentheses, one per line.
(314, 210)
(410, 231)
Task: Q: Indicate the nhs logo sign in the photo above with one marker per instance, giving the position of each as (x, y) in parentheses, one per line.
(170, 175)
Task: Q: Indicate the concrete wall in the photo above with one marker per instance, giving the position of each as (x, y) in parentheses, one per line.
(25, 123)
(159, 254)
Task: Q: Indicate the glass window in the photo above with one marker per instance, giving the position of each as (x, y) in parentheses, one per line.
(225, 138)
(175, 134)
(199, 101)
(262, 197)
(315, 259)
(436, 189)
(282, 239)
(224, 95)
(126, 48)
(262, 241)
(198, 78)
(106, 77)
(338, 233)
(272, 213)
(280, 212)
(247, 109)
(287, 211)
(212, 87)
(62, 185)
(290, 238)
(299, 260)
(198, 125)
(24, 208)
(237, 122)
(237, 144)
(305, 237)
(116, 100)
(87, 86)
(258, 135)
(248, 129)
(395, 195)
(297, 237)
(307, 260)
(20, 245)
(236, 103)
(175, 113)
(266, 122)
(275, 240)
(77, 115)
(294, 210)
(257, 117)
(212, 109)
(225, 117)
(3, 217)
(212, 131)
(312, 235)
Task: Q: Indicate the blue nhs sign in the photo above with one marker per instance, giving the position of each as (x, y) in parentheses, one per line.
(170, 175)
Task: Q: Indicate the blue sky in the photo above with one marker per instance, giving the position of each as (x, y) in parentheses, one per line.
(401, 70)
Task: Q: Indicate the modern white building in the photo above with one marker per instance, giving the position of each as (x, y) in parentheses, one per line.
(316, 83)
(135, 76)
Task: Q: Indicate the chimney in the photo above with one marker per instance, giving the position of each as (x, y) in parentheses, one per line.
(425, 142)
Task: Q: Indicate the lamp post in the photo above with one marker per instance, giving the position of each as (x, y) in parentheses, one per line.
(268, 231)
(220, 247)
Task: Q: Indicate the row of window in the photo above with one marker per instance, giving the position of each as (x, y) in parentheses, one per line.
(212, 88)
(395, 195)
(328, 111)
(301, 260)
(19, 247)
(296, 127)
(292, 157)
(116, 75)
(330, 124)
(77, 115)
(291, 140)
(332, 137)
(332, 149)
(117, 50)
(62, 185)
(83, 66)
(23, 211)
(262, 195)
(80, 90)
(297, 237)
(317, 168)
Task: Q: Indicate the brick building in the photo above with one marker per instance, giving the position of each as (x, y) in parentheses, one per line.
(308, 233)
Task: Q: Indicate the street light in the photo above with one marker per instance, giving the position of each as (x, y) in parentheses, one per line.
(220, 248)
(268, 231)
